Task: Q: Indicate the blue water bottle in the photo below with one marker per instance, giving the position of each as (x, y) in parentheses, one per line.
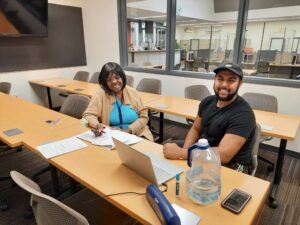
(203, 183)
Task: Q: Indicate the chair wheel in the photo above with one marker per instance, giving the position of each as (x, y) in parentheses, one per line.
(3, 205)
(270, 169)
(273, 204)
(19, 149)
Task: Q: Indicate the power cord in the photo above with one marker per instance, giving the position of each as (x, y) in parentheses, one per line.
(136, 193)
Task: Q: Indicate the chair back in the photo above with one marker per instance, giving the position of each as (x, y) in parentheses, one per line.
(263, 67)
(82, 76)
(5, 87)
(197, 92)
(149, 85)
(95, 78)
(262, 102)
(199, 62)
(255, 146)
(75, 105)
(47, 210)
(129, 80)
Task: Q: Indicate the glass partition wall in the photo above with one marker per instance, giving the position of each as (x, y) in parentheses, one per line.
(146, 34)
(204, 34)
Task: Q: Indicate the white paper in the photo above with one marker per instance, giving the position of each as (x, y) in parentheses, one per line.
(61, 147)
(186, 216)
(105, 139)
(266, 127)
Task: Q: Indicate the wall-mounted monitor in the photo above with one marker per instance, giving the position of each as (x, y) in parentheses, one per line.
(23, 17)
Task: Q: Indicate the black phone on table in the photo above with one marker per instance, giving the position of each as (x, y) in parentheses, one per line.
(236, 200)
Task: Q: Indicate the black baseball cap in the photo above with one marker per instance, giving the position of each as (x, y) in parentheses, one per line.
(232, 67)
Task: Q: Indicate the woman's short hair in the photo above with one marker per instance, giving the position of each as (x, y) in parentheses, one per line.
(107, 69)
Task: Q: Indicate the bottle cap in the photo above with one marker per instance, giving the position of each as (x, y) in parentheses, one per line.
(203, 143)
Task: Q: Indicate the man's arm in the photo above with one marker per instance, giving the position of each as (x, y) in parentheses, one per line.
(229, 146)
(193, 134)
(173, 151)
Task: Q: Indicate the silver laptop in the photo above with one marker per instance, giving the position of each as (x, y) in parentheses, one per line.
(148, 165)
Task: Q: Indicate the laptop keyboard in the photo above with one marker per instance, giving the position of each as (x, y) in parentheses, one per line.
(161, 174)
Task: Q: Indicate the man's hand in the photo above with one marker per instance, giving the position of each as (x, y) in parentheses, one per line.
(173, 151)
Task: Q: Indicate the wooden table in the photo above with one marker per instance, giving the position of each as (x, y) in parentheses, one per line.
(32, 119)
(73, 86)
(284, 126)
(101, 171)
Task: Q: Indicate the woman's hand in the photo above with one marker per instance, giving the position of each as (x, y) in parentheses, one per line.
(127, 130)
(98, 130)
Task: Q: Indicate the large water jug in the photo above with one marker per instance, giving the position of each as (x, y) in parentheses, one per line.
(203, 183)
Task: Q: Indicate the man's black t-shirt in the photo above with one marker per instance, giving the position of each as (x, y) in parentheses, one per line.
(236, 118)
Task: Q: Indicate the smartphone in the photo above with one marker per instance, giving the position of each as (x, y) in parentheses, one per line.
(236, 200)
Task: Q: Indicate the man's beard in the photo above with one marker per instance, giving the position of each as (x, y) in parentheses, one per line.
(228, 98)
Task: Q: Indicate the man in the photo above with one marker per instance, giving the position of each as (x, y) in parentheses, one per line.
(225, 119)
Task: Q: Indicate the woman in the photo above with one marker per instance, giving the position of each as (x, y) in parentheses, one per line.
(117, 105)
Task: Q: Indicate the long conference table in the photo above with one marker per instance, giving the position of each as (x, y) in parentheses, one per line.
(101, 170)
(283, 126)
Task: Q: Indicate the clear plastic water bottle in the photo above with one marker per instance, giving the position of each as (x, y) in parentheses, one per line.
(203, 183)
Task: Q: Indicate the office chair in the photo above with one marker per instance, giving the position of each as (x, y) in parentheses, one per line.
(263, 67)
(82, 208)
(177, 66)
(5, 87)
(198, 63)
(3, 202)
(81, 76)
(153, 86)
(129, 80)
(197, 92)
(149, 85)
(95, 78)
(74, 106)
(255, 146)
(267, 103)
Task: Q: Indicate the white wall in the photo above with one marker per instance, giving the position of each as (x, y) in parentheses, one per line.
(100, 23)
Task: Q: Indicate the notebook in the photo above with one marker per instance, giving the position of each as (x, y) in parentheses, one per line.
(148, 165)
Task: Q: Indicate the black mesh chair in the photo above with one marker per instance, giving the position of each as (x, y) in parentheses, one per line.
(267, 103)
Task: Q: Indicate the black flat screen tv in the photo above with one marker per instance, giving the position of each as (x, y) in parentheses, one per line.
(23, 18)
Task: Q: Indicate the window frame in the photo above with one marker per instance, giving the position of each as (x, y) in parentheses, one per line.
(170, 47)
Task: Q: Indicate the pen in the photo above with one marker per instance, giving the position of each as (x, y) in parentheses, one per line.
(177, 184)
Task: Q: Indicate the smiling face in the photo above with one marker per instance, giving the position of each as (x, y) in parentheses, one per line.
(114, 83)
(226, 85)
